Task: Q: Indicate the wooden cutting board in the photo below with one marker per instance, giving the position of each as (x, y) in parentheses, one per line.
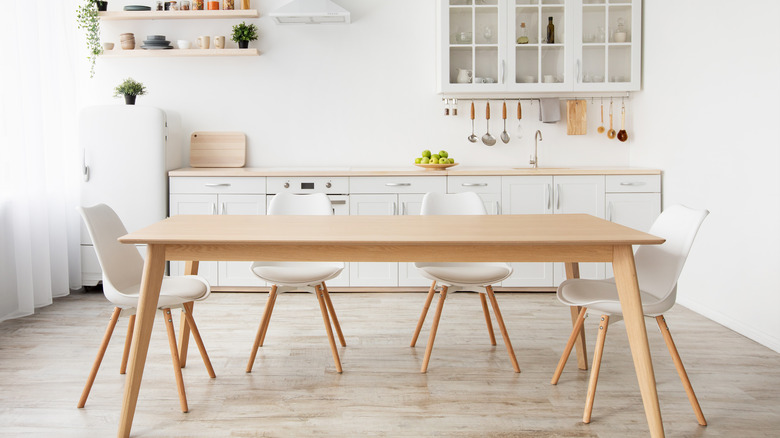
(217, 149)
(576, 117)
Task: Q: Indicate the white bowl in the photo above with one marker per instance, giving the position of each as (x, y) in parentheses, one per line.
(183, 44)
(108, 46)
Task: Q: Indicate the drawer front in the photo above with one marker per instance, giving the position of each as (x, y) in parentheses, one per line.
(253, 185)
(633, 183)
(307, 184)
(476, 184)
(409, 184)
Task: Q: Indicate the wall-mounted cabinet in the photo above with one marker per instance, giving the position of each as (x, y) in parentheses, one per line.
(499, 46)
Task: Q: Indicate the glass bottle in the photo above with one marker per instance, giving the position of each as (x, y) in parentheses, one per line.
(550, 31)
(523, 38)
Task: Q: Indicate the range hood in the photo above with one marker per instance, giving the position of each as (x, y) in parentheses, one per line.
(310, 12)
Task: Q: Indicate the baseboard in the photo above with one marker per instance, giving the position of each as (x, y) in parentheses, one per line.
(740, 327)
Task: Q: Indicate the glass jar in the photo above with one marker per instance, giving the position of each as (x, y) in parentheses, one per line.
(159, 6)
(197, 5)
(185, 5)
(174, 5)
(228, 5)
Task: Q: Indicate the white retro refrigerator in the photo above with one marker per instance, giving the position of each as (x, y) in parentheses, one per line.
(127, 152)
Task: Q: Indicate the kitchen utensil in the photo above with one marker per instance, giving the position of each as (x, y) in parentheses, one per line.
(488, 139)
(472, 137)
(217, 149)
(435, 166)
(611, 132)
(576, 117)
(601, 127)
(622, 135)
(519, 117)
(504, 135)
(454, 110)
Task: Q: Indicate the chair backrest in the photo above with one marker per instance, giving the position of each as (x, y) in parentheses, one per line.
(306, 204)
(658, 267)
(466, 203)
(122, 265)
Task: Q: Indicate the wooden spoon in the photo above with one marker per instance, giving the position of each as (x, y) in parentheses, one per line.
(601, 128)
(519, 117)
(622, 135)
(611, 132)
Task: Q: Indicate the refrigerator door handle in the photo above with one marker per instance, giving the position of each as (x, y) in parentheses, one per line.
(85, 168)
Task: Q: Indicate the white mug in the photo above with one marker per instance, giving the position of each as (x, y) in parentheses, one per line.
(219, 42)
(204, 42)
(479, 80)
(549, 78)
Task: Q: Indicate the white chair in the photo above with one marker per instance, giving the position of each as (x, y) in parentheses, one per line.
(658, 268)
(122, 267)
(307, 276)
(453, 277)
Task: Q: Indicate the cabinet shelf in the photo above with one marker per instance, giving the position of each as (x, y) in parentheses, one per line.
(177, 15)
(178, 53)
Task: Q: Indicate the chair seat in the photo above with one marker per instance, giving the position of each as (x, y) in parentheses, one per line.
(297, 273)
(601, 296)
(465, 274)
(174, 292)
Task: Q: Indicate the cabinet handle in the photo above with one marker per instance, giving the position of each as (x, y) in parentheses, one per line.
(503, 72)
(498, 207)
(217, 185)
(222, 208)
(635, 183)
(609, 211)
(213, 208)
(579, 72)
(403, 209)
(338, 202)
(547, 195)
(557, 196)
(398, 184)
(395, 208)
(474, 184)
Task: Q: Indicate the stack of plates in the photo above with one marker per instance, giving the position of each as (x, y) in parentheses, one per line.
(156, 42)
(137, 8)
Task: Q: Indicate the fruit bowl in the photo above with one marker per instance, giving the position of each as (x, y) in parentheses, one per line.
(436, 166)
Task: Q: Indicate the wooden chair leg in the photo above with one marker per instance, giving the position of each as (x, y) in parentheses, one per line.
(260, 337)
(594, 370)
(128, 343)
(199, 342)
(333, 317)
(424, 313)
(502, 327)
(168, 318)
(328, 329)
(434, 327)
(99, 358)
(681, 369)
(487, 319)
(184, 333)
(569, 345)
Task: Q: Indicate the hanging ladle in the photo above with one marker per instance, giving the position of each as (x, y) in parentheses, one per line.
(622, 135)
(488, 139)
(472, 137)
(504, 135)
(611, 132)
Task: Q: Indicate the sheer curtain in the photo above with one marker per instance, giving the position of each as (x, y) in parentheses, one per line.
(38, 164)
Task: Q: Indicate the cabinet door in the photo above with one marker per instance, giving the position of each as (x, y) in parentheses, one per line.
(528, 195)
(472, 46)
(634, 210)
(194, 204)
(408, 275)
(239, 273)
(579, 194)
(373, 274)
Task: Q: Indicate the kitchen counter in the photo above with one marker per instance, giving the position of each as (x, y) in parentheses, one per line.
(405, 171)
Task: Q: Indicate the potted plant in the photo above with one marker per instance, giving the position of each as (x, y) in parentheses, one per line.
(129, 88)
(87, 19)
(243, 34)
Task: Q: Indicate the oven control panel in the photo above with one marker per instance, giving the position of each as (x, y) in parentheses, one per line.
(304, 184)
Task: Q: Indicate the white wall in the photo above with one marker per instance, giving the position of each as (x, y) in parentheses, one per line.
(362, 94)
(708, 117)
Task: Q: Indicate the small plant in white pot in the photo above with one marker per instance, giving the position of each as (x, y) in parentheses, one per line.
(244, 33)
(129, 89)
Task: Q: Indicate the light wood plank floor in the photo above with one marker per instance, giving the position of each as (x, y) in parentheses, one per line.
(469, 390)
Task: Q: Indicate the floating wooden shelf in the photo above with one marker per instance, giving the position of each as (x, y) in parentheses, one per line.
(174, 53)
(177, 15)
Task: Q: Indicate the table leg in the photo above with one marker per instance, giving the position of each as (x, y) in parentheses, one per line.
(190, 268)
(631, 303)
(154, 269)
(573, 271)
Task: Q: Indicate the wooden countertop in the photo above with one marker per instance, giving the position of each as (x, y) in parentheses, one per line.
(404, 171)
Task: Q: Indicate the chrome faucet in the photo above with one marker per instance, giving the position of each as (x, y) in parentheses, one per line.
(535, 157)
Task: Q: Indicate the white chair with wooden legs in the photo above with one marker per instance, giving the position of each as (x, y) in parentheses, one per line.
(122, 267)
(658, 268)
(306, 276)
(453, 277)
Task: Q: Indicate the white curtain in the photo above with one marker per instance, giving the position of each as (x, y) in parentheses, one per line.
(38, 164)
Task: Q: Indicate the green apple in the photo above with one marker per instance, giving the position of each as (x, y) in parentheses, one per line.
(451, 160)
(443, 160)
(424, 160)
(435, 157)
(443, 154)
(426, 153)
(417, 160)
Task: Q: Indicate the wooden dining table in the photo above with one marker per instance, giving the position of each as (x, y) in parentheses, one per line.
(568, 238)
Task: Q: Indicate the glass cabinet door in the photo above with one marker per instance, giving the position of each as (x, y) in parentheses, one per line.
(539, 59)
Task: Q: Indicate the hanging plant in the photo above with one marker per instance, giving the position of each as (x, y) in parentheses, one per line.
(88, 20)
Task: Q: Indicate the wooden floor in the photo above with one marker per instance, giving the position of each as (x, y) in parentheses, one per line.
(470, 389)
